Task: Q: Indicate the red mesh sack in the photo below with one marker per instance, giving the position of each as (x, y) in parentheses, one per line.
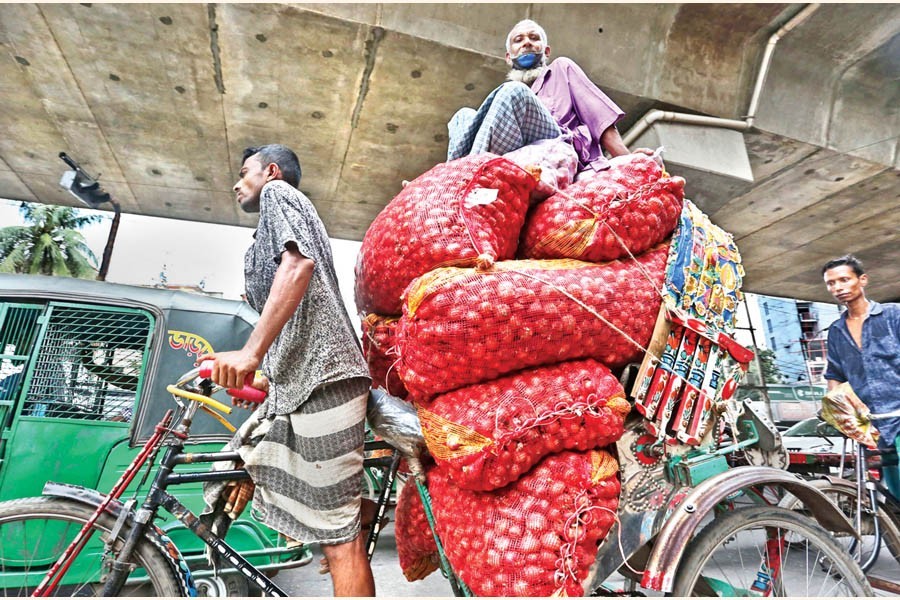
(415, 543)
(453, 214)
(628, 208)
(378, 335)
(464, 326)
(487, 435)
(535, 537)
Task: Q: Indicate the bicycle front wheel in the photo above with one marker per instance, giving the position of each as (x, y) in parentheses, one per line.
(863, 549)
(748, 552)
(34, 532)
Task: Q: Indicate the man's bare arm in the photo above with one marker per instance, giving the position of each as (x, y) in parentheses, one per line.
(612, 142)
(288, 288)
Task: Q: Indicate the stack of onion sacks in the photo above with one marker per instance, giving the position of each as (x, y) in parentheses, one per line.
(482, 350)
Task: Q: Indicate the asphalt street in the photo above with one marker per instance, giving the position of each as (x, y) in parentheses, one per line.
(389, 580)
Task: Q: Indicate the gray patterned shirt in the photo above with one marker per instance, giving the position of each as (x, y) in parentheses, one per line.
(318, 344)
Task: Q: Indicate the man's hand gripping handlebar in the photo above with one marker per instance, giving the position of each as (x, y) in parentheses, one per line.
(254, 391)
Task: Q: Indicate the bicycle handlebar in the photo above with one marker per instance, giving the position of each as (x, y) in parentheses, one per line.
(205, 402)
(177, 391)
(887, 415)
(248, 392)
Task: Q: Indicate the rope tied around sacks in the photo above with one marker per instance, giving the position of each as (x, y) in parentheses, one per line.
(453, 440)
(587, 308)
(432, 281)
(561, 410)
(603, 466)
(638, 194)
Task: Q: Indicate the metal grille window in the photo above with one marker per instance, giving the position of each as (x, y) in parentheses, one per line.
(89, 364)
(18, 330)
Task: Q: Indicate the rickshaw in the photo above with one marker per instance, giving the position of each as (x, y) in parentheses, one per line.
(701, 473)
(83, 371)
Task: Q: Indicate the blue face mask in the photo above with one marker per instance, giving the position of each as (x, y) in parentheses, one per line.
(527, 61)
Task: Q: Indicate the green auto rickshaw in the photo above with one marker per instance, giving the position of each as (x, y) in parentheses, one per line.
(83, 372)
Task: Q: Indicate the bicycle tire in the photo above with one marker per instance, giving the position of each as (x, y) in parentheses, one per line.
(887, 520)
(703, 572)
(35, 531)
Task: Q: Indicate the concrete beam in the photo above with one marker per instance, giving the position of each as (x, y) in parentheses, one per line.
(161, 99)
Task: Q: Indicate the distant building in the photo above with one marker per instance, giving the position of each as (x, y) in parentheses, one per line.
(815, 318)
(795, 330)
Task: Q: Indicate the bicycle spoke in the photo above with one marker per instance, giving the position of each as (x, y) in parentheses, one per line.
(773, 565)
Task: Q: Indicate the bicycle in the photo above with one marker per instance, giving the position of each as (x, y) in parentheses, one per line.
(130, 555)
(868, 504)
(53, 534)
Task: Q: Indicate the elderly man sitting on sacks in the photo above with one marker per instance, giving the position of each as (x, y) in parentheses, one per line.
(542, 100)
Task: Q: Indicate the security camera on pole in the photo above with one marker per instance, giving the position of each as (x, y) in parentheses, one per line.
(87, 189)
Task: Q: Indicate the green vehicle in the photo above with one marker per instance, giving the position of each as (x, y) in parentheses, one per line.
(83, 372)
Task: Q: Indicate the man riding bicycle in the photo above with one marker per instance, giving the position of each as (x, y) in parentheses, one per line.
(303, 446)
(864, 350)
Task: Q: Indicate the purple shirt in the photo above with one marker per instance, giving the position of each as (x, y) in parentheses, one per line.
(580, 108)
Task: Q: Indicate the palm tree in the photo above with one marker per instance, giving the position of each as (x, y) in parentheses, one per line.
(49, 243)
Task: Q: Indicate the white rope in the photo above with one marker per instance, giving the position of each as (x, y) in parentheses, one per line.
(639, 265)
(567, 550)
(560, 411)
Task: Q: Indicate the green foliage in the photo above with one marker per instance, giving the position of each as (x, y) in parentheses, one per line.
(770, 371)
(49, 243)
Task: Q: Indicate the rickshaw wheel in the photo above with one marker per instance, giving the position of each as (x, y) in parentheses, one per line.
(844, 496)
(35, 531)
(731, 555)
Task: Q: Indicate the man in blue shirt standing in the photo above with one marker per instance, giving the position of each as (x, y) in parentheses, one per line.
(864, 350)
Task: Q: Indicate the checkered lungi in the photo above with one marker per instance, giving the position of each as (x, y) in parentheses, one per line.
(510, 117)
(307, 465)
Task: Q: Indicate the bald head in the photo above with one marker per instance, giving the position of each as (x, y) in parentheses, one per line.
(524, 27)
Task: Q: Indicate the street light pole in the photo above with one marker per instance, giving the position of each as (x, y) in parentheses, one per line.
(87, 189)
(110, 242)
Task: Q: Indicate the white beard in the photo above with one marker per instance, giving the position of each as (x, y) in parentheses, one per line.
(527, 76)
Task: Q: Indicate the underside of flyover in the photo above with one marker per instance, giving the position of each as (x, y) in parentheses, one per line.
(160, 99)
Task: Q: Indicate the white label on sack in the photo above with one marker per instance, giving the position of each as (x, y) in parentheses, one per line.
(480, 197)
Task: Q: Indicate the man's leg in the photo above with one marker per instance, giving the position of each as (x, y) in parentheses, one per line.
(516, 119)
(511, 117)
(351, 573)
(368, 514)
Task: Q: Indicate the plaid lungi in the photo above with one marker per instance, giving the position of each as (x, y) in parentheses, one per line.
(307, 465)
(510, 117)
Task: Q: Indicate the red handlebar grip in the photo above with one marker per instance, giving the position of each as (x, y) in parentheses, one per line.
(247, 393)
(206, 369)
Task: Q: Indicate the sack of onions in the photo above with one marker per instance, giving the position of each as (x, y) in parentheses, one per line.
(465, 326)
(416, 548)
(626, 209)
(535, 537)
(463, 212)
(378, 335)
(487, 435)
